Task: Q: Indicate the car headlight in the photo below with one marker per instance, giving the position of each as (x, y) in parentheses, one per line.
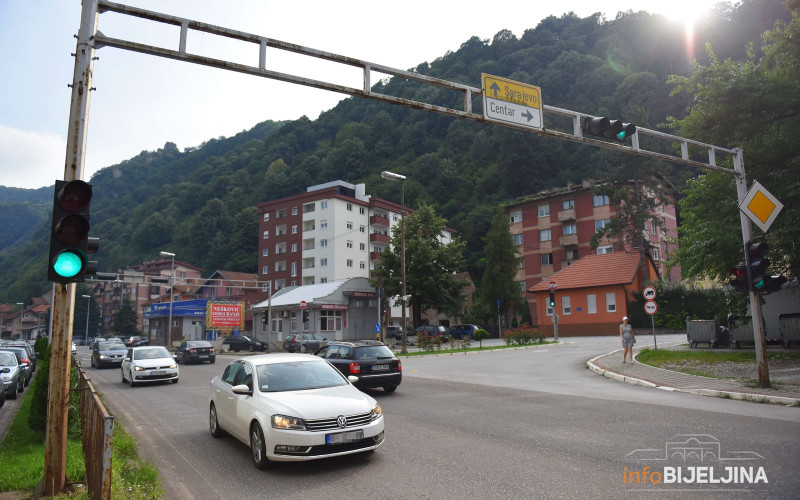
(6, 378)
(102, 356)
(289, 423)
(377, 412)
(173, 366)
(138, 368)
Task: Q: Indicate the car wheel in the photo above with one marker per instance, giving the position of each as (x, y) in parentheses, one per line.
(91, 361)
(130, 380)
(251, 348)
(235, 349)
(13, 395)
(123, 375)
(303, 348)
(212, 360)
(213, 424)
(390, 388)
(258, 447)
(174, 381)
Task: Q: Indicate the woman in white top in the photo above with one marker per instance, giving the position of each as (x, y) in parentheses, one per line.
(628, 339)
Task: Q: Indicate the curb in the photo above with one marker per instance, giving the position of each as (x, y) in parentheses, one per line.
(742, 396)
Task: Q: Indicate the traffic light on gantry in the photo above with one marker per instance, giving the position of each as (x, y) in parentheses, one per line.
(70, 242)
(615, 130)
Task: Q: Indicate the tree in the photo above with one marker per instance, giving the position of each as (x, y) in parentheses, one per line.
(752, 104)
(500, 266)
(430, 265)
(125, 319)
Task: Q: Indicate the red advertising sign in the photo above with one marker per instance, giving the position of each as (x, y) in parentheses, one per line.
(225, 315)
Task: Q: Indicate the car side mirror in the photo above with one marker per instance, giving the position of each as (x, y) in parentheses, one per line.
(126, 359)
(352, 378)
(175, 356)
(242, 389)
(5, 370)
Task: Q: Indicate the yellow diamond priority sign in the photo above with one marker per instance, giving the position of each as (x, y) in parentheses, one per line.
(760, 206)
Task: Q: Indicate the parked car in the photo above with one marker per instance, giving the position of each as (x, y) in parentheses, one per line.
(195, 351)
(304, 342)
(140, 341)
(372, 362)
(149, 364)
(107, 353)
(32, 357)
(74, 349)
(430, 331)
(460, 331)
(12, 374)
(293, 407)
(22, 359)
(238, 343)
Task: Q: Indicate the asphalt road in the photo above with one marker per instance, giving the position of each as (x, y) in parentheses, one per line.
(527, 423)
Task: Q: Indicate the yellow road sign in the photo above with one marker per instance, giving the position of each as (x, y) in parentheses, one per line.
(760, 206)
(509, 101)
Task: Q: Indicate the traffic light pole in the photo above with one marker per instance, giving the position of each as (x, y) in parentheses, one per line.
(55, 454)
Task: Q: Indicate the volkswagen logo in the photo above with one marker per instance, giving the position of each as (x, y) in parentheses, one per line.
(342, 421)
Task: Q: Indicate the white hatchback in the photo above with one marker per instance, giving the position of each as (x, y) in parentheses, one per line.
(293, 407)
(149, 364)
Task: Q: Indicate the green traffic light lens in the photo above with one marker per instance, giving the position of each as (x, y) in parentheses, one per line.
(622, 135)
(68, 264)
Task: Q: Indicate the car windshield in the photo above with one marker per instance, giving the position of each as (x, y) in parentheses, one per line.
(298, 376)
(373, 352)
(111, 346)
(155, 353)
(7, 359)
(190, 345)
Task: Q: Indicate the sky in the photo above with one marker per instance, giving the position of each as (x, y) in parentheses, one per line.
(141, 101)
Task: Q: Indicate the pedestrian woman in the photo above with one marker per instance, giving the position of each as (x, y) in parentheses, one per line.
(628, 339)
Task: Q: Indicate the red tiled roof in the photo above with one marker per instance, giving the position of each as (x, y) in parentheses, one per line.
(594, 271)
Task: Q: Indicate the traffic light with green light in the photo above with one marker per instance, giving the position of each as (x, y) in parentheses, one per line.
(759, 264)
(552, 299)
(615, 130)
(70, 242)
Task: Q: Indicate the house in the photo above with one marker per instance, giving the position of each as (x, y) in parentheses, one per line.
(553, 229)
(593, 294)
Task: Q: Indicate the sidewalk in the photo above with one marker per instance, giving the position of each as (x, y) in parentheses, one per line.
(610, 365)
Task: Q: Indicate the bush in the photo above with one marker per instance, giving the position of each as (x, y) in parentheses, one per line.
(480, 335)
(525, 334)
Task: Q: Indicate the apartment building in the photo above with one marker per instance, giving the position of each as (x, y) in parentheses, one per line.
(553, 229)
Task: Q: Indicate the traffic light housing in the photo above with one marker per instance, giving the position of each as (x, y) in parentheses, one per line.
(739, 281)
(758, 265)
(305, 316)
(553, 299)
(615, 130)
(70, 242)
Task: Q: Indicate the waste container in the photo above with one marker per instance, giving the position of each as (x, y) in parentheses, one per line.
(789, 328)
(703, 331)
(741, 330)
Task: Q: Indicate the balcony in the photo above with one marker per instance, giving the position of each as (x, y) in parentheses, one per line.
(374, 256)
(379, 220)
(565, 215)
(379, 238)
(567, 240)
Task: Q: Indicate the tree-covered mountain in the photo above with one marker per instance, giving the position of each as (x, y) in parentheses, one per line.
(201, 203)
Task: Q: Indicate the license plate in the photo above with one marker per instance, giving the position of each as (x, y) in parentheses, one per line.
(157, 372)
(204, 355)
(380, 368)
(344, 437)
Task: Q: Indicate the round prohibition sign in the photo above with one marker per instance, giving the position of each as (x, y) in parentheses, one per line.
(649, 293)
(650, 307)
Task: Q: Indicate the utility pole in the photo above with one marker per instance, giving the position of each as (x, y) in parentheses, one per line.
(55, 453)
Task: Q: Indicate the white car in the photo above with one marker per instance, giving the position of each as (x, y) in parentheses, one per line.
(293, 407)
(149, 364)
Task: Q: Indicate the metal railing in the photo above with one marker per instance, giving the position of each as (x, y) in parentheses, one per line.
(97, 428)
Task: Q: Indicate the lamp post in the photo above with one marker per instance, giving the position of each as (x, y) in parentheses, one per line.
(168, 337)
(88, 302)
(402, 178)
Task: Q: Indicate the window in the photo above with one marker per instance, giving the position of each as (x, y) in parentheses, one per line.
(570, 229)
(547, 259)
(572, 254)
(349, 262)
(349, 225)
(362, 246)
(604, 250)
(323, 262)
(266, 234)
(544, 235)
(349, 244)
(294, 247)
(294, 229)
(362, 229)
(280, 230)
(515, 216)
(600, 224)
(591, 303)
(362, 265)
(522, 287)
(294, 268)
(308, 207)
(599, 200)
(323, 243)
(517, 238)
(611, 302)
(323, 224)
(323, 204)
(349, 207)
(265, 287)
(565, 305)
(266, 216)
(279, 214)
(294, 210)
(544, 210)
(361, 210)
(567, 204)
(265, 270)
(323, 280)
(655, 254)
(266, 252)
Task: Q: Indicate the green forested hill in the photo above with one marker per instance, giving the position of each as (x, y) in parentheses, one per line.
(201, 203)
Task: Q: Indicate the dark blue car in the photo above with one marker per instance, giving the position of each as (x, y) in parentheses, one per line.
(459, 331)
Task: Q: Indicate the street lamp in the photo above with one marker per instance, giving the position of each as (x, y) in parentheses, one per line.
(402, 178)
(168, 338)
(86, 336)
